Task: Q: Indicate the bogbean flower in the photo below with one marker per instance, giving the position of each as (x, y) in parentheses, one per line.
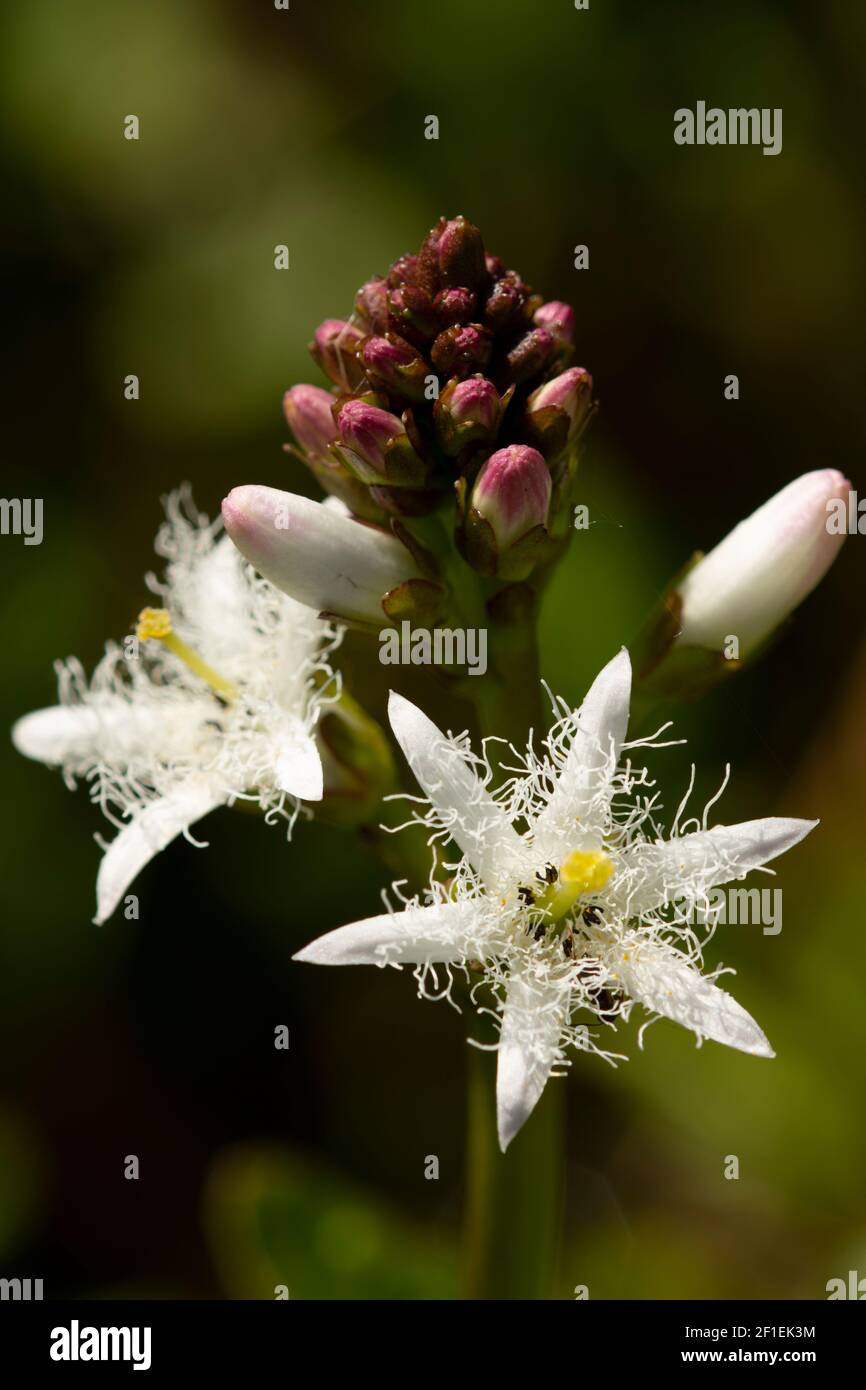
(566, 897)
(216, 701)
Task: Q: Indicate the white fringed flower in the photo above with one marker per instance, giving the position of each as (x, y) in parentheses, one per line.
(577, 915)
(217, 701)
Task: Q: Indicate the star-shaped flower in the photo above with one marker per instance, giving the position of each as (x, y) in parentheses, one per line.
(566, 897)
(216, 700)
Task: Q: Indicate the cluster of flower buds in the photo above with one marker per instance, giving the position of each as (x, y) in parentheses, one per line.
(450, 379)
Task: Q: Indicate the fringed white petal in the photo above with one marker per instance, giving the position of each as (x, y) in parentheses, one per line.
(130, 730)
(475, 822)
(148, 833)
(657, 977)
(59, 734)
(299, 766)
(688, 866)
(213, 597)
(583, 787)
(438, 934)
(532, 1023)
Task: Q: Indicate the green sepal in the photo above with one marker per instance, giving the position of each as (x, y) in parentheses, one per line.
(422, 601)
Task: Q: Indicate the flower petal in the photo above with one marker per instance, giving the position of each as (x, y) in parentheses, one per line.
(148, 833)
(299, 766)
(58, 733)
(113, 730)
(591, 761)
(532, 1021)
(686, 867)
(439, 933)
(657, 977)
(476, 823)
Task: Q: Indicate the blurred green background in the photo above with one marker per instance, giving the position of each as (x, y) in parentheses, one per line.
(258, 127)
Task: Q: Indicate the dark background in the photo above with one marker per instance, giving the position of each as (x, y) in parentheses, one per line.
(154, 1037)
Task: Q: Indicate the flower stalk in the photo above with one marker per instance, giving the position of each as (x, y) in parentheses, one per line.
(513, 1201)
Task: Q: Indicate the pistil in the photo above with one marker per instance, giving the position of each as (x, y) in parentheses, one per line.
(155, 624)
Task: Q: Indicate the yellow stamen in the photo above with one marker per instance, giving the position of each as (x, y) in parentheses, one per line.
(155, 624)
(584, 871)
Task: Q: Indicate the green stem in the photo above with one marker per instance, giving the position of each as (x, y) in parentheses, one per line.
(513, 1200)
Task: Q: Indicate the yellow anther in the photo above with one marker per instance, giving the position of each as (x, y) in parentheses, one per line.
(155, 623)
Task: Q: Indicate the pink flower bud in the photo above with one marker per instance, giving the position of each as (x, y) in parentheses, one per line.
(557, 318)
(371, 304)
(512, 492)
(462, 349)
(456, 305)
(403, 272)
(393, 363)
(308, 413)
(571, 391)
(504, 305)
(467, 412)
(475, 401)
(411, 314)
(367, 431)
(333, 349)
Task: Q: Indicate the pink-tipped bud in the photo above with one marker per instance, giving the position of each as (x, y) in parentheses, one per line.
(404, 271)
(467, 412)
(308, 414)
(367, 431)
(475, 401)
(462, 349)
(571, 392)
(333, 349)
(371, 304)
(394, 364)
(557, 318)
(512, 492)
(455, 305)
(411, 314)
(503, 308)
